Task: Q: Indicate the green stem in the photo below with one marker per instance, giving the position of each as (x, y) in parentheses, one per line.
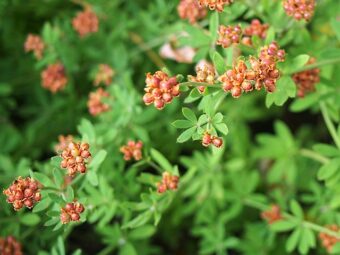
(200, 84)
(329, 124)
(262, 207)
(156, 167)
(313, 155)
(316, 65)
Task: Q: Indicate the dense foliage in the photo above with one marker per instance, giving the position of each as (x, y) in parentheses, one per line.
(169, 127)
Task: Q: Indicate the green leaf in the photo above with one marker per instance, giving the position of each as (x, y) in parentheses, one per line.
(92, 177)
(161, 160)
(140, 220)
(189, 114)
(296, 209)
(61, 246)
(29, 219)
(219, 63)
(143, 232)
(213, 26)
(55, 198)
(98, 160)
(52, 221)
(223, 128)
(42, 205)
(283, 226)
(304, 103)
(69, 194)
(182, 124)
(270, 35)
(326, 150)
(217, 118)
(186, 135)
(285, 88)
(43, 179)
(86, 129)
(328, 170)
(56, 160)
(128, 249)
(293, 240)
(58, 177)
(296, 63)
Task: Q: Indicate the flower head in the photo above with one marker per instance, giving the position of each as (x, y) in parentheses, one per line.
(327, 240)
(75, 157)
(204, 74)
(272, 215)
(256, 28)
(95, 103)
(104, 75)
(132, 150)
(160, 89)
(306, 80)
(34, 43)
(191, 10)
(208, 139)
(54, 78)
(299, 9)
(85, 22)
(63, 142)
(217, 5)
(10, 246)
(23, 192)
(71, 212)
(228, 35)
(169, 182)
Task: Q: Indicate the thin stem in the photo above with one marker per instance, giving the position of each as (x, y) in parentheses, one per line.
(200, 84)
(156, 167)
(315, 65)
(313, 155)
(330, 124)
(262, 207)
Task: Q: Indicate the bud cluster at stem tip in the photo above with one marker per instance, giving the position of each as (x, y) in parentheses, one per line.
(217, 5)
(23, 192)
(272, 215)
(71, 212)
(329, 241)
(169, 182)
(54, 77)
(191, 10)
(10, 246)
(75, 157)
(208, 139)
(85, 22)
(160, 89)
(132, 150)
(299, 9)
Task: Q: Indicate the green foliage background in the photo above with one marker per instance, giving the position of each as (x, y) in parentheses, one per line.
(279, 155)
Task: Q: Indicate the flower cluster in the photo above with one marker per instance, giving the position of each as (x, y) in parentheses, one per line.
(95, 102)
(299, 9)
(256, 28)
(132, 150)
(74, 158)
(238, 79)
(217, 5)
(191, 10)
(227, 35)
(71, 212)
(205, 74)
(23, 192)
(63, 143)
(263, 72)
(208, 139)
(160, 89)
(54, 78)
(272, 215)
(104, 75)
(329, 241)
(169, 182)
(34, 43)
(85, 22)
(306, 80)
(10, 246)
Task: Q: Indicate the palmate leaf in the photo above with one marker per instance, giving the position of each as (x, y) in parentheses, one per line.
(186, 135)
(285, 88)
